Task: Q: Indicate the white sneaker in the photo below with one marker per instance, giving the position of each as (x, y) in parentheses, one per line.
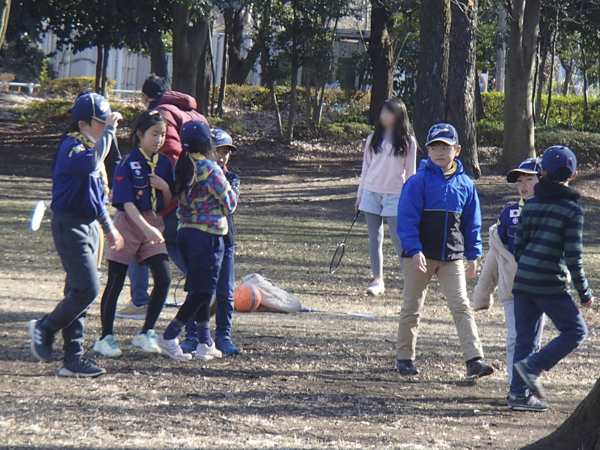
(377, 287)
(172, 349)
(206, 353)
(147, 342)
(108, 347)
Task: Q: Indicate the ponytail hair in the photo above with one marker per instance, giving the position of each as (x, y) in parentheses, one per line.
(143, 123)
(185, 170)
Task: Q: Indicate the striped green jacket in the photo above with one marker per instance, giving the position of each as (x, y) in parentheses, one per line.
(549, 241)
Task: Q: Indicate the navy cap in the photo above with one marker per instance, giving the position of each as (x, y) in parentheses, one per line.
(531, 166)
(443, 132)
(559, 161)
(195, 129)
(91, 106)
(222, 139)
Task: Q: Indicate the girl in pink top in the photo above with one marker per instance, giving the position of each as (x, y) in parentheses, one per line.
(390, 159)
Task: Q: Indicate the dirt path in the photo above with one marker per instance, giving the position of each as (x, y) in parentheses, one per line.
(304, 381)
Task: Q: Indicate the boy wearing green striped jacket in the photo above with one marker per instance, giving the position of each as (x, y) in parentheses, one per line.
(548, 244)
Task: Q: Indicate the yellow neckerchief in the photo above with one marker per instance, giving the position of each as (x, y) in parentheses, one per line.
(448, 173)
(152, 162)
(88, 143)
(521, 203)
(197, 156)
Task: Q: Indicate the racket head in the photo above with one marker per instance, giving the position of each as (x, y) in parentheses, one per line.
(38, 215)
(336, 261)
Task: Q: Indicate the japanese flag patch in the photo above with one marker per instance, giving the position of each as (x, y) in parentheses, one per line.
(135, 165)
(515, 213)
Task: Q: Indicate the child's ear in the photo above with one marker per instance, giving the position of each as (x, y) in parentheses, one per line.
(139, 134)
(82, 124)
(458, 149)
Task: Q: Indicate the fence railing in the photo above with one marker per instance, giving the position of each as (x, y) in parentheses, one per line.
(18, 86)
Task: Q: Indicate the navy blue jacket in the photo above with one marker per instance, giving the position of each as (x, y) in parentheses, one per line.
(508, 223)
(234, 181)
(440, 217)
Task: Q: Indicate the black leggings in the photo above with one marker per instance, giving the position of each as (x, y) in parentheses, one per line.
(197, 304)
(161, 273)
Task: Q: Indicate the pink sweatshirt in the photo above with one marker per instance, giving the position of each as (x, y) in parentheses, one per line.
(384, 173)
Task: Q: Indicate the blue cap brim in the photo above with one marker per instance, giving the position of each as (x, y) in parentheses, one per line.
(441, 139)
(512, 176)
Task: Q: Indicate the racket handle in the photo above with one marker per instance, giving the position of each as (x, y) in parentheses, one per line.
(308, 310)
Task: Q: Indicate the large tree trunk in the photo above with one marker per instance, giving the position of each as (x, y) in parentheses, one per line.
(99, 65)
(541, 70)
(518, 111)
(501, 53)
(188, 43)
(462, 82)
(158, 56)
(581, 430)
(227, 16)
(432, 70)
(204, 77)
(240, 66)
(4, 15)
(381, 51)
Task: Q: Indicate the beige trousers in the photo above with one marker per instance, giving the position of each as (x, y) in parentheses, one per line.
(451, 276)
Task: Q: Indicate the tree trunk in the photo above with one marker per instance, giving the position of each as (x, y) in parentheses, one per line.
(381, 51)
(551, 80)
(223, 86)
(289, 132)
(584, 70)
(104, 85)
(518, 111)
(188, 43)
(568, 75)
(479, 109)
(99, 60)
(462, 82)
(204, 77)
(581, 430)
(158, 56)
(501, 53)
(542, 75)
(4, 15)
(240, 66)
(432, 70)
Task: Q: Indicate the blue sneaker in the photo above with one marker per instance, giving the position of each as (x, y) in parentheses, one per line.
(189, 345)
(41, 341)
(80, 368)
(226, 347)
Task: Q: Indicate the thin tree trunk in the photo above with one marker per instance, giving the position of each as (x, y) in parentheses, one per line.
(319, 111)
(289, 132)
(226, 16)
(586, 103)
(306, 82)
(381, 51)
(541, 70)
(518, 112)
(462, 82)
(99, 59)
(432, 70)
(105, 71)
(568, 75)
(4, 15)
(204, 77)
(501, 53)
(158, 56)
(479, 109)
(551, 80)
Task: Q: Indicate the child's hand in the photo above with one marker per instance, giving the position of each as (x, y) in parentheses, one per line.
(158, 183)
(471, 269)
(115, 240)
(357, 204)
(588, 304)
(153, 235)
(419, 263)
(113, 119)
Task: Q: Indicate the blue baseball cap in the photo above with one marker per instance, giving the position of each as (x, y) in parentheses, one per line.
(559, 161)
(222, 139)
(531, 166)
(195, 129)
(443, 132)
(91, 106)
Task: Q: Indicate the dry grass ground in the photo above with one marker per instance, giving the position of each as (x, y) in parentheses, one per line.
(304, 381)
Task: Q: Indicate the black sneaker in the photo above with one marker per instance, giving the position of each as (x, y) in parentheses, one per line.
(406, 367)
(41, 341)
(530, 378)
(526, 403)
(80, 368)
(477, 369)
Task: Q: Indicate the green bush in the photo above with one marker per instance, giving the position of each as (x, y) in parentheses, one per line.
(72, 86)
(128, 112)
(58, 110)
(333, 131)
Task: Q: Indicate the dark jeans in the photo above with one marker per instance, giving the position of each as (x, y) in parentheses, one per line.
(528, 313)
(76, 241)
(138, 275)
(224, 316)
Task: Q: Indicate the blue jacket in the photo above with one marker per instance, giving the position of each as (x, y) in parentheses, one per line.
(77, 181)
(440, 217)
(508, 223)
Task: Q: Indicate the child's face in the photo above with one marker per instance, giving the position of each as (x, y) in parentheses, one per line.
(222, 155)
(93, 130)
(525, 185)
(387, 119)
(443, 154)
(153, 138)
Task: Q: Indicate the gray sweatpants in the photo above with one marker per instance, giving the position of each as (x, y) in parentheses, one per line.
(375, 227)
(76, 241)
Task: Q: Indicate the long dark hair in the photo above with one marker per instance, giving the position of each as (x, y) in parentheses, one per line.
(403, 131)
(185, 169)
(143, 123)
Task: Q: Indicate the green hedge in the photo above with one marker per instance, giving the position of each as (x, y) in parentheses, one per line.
(72, 86)
(565, 112)
(335, 131)
(58, 110)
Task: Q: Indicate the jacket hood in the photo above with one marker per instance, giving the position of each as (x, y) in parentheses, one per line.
(428, 164)
(182, 101)
(550, 189)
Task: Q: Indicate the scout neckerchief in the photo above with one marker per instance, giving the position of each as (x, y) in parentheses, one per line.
(152, 162)
(448, 173)
(89, 143)
(197, 156)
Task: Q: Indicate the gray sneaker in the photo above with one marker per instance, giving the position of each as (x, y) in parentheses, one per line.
(527, 403)
(41, 341)
(80, 368)
(530, 378)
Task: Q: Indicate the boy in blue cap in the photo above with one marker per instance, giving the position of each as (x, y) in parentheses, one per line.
(441, 224)
(78, 205)
(223, 149)
(548, 245)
